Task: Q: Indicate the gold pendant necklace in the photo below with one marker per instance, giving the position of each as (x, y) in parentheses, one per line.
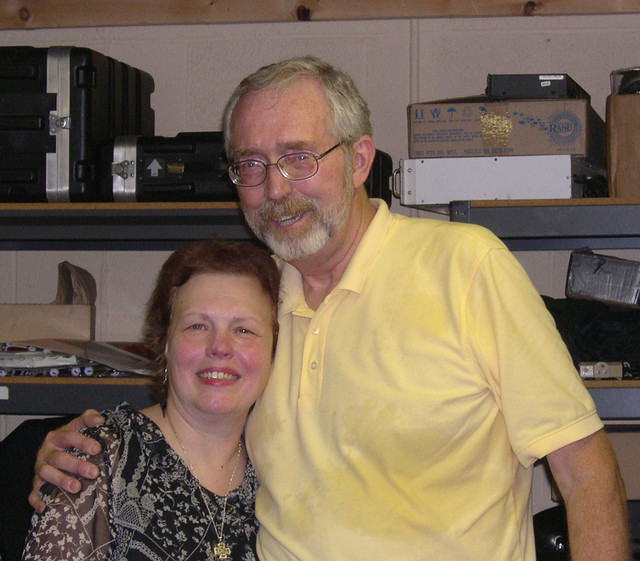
(221, 549)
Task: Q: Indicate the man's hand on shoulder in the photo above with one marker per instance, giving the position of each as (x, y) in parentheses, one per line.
(52, 459)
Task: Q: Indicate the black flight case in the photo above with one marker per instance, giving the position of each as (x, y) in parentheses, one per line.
(57, 106)
(190, 166)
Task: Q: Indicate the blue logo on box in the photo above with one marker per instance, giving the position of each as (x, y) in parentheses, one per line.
(564, 127)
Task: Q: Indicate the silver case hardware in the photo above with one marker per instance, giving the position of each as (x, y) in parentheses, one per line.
(123, 168)
(59, 83)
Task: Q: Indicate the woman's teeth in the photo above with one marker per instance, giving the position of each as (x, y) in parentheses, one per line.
(217, 376)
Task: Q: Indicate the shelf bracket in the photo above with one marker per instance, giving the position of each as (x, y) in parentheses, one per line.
(460, 211)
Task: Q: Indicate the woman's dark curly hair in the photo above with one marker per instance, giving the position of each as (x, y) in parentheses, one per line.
(204, 256)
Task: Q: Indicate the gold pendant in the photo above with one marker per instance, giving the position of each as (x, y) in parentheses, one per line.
(222, 550)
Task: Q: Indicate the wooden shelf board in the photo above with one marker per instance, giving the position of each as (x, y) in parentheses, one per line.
(10, 207)
(603, 201)
(34, 14)
(612, 383)
(116, 381)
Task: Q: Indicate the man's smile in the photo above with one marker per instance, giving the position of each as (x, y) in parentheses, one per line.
(288, 220)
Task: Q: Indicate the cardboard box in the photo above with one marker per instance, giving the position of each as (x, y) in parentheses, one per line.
(626, 446)
(21, 322)
(623, 145)
(435, 181)
(478, 127)
(602, 277)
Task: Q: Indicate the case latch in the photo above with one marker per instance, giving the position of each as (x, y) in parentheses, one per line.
(58, 123)
(124, 169)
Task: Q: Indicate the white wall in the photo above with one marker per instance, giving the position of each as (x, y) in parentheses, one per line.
(394, 62)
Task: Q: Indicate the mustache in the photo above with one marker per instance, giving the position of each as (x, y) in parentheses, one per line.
(278, 209)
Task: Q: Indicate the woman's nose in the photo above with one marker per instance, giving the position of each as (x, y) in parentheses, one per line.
(220, 344)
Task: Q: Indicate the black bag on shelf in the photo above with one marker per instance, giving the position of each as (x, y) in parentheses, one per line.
(597, 331)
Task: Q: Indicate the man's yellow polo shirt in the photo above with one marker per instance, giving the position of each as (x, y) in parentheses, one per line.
(403, 416)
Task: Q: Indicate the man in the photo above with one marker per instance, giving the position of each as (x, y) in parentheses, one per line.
(417, 376)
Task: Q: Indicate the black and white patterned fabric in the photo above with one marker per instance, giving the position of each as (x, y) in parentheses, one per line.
(145, 505)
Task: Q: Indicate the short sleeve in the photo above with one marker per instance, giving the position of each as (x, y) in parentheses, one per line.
(514, 338)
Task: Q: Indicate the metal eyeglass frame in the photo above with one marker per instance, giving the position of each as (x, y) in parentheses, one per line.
(235, 178)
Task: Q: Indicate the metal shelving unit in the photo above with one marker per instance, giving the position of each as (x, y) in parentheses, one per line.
(616, 400)
(523, 225)
(556, 224)
(117, 226)
(63, 396)
(567, 224)
(102, 226)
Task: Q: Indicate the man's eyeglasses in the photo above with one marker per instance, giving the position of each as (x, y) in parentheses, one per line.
(295, 166)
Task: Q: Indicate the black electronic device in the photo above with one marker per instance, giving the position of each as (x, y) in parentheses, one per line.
(533, 86)
(377, 184)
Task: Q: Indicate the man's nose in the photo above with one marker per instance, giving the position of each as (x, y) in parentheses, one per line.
(276, 185)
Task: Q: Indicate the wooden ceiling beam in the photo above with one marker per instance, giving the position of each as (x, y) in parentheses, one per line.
(38, 14)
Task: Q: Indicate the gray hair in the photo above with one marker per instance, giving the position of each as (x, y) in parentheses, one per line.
(348, 118)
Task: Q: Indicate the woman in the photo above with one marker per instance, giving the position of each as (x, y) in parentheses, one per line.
(175, 480)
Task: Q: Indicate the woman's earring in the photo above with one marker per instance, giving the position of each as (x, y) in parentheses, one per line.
(165, 390)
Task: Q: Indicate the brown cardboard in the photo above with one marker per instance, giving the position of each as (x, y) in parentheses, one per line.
(477, 127)
(21, 322)
(626, 446)
(623, 145)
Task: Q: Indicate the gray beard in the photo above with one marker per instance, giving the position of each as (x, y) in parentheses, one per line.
(325, 224)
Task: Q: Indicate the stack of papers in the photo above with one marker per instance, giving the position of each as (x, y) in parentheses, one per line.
(54, 358)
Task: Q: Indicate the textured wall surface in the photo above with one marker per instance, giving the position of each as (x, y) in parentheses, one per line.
(395, 62)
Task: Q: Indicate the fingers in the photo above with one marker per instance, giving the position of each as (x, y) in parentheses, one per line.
(60, 461)
(52, 459)
(63, 438)
(54, 476)
(53, 473)
(92, 418)
(35, 500)
(89, 418)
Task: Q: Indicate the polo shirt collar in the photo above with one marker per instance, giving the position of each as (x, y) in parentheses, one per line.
(291, 295)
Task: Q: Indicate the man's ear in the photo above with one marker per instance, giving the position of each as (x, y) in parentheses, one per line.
(364, 151)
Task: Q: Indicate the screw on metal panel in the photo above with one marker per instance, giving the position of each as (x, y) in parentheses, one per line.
(529, 8)
(303, 13)
(24, 14)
